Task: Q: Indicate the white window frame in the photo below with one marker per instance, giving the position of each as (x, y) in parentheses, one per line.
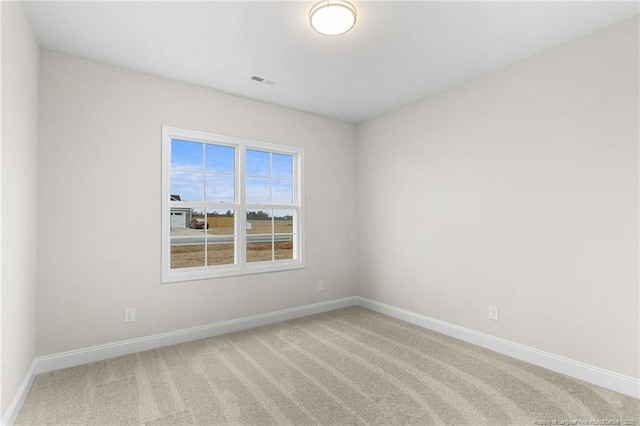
(242, 267)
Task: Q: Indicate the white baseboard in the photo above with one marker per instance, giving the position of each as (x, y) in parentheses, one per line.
(598, 376)
(126, 347)
(98, 353)
(18, 400)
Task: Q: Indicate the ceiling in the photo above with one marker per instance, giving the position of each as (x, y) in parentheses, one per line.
(398, 52)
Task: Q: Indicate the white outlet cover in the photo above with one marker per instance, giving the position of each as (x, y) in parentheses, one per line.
(320, 285)
(494, 313)
(129, 315)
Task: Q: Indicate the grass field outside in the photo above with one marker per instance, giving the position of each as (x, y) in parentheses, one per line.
(193, 255)
(190, 256)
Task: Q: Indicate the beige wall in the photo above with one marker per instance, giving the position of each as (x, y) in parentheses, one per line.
(18, 197)
(99, 162)
(519, 190)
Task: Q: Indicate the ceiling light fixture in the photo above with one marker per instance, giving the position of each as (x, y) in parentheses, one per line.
(332, 17)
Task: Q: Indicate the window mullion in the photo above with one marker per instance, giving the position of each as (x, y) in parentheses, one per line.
(296, 180)
(273, 237)
(241, 222)
(204, 207)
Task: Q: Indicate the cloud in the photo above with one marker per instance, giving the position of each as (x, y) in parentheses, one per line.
(220, 189)
(189, 186)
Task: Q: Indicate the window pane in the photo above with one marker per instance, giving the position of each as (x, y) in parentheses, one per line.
(260, 251)
(186, 155)
(221, 222)
(220, 237)
(220, 159)
(283, 247)
(282, 192)
(257, 191)
(258, 222)
(283, 238)
(188, 186)
(220, 189)
(187, 255)
(283, 221)
(258, 163)
(198, 220)
(180, 218)
(187, 238)
(282, 166)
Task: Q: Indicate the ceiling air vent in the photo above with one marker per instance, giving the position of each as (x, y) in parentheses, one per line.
(263, 80)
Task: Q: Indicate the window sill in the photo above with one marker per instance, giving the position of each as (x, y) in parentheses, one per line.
(194, 274)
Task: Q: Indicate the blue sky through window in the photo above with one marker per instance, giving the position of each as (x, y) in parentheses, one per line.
(220, 159)
(282, 166)
(258, 163)
(188, 185)
(219, 168)
(186, 155)
(269, 178)
(269, 175)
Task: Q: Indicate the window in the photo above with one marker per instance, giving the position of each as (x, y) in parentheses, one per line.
(230, 206)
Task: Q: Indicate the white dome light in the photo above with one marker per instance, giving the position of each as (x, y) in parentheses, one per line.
(332, 17)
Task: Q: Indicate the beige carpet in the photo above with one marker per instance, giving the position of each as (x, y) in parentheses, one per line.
(350, 366)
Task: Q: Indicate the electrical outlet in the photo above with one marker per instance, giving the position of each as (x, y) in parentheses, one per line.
(130, 315)
(320, 285)
(494, 313)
